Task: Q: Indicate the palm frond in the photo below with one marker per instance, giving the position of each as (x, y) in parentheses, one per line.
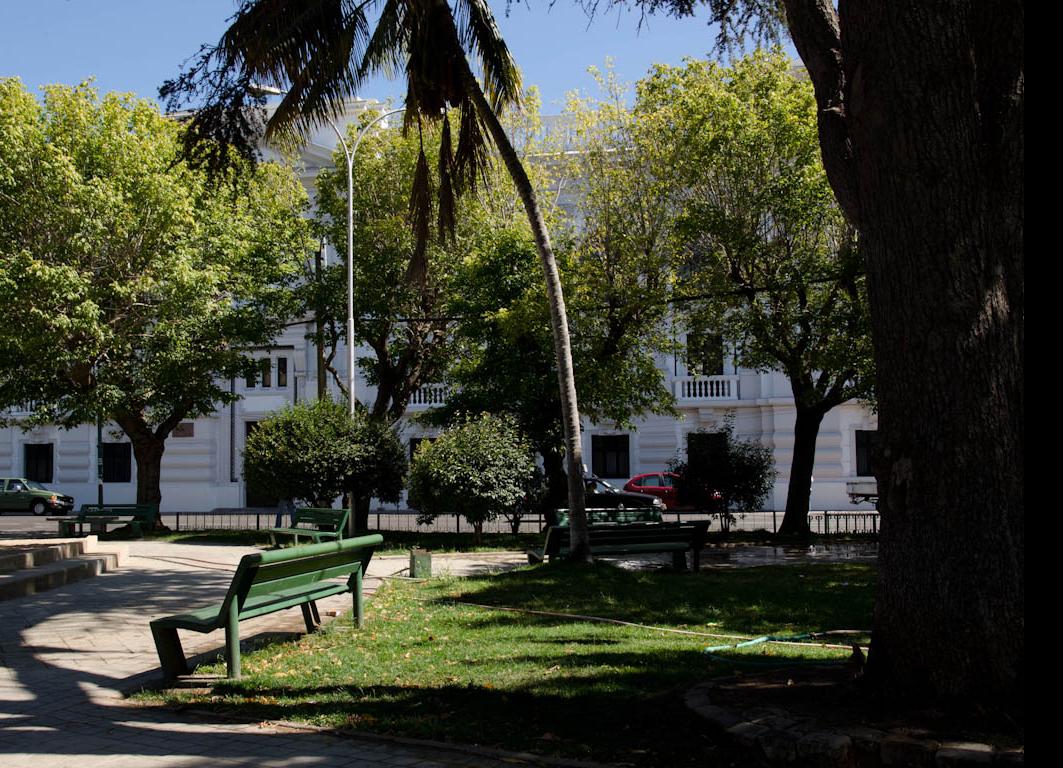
(386, 50)
(479, 36)
(308, 47)
(420, 214)
(446, 202)
(472, 159)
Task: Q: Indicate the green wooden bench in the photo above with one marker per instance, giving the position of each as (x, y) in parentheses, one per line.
(631, 539)
(266, 582)
(613, 515)
(313, 523)
(139, 518)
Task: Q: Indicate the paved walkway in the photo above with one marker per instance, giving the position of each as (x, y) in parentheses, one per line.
(68, 655)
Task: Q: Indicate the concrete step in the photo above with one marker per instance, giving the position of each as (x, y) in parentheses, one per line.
(17, 558)
(92, 559)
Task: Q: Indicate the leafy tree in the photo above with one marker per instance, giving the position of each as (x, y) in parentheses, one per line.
(723, 474)
(323, 53)
(765, 243)
(315, 451)
(479, 469)
(504, 362)
(921, 130)
(132, 288)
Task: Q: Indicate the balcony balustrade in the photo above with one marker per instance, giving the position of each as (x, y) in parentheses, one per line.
(428, 396)
(699, 389)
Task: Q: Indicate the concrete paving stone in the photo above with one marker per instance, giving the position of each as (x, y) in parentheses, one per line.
(55, 675)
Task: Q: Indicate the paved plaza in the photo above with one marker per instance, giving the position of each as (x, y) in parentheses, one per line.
(68, 656)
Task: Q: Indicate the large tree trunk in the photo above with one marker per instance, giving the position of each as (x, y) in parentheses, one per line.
(580, 540)
(148, 449)
(799, 488)
(922, 136)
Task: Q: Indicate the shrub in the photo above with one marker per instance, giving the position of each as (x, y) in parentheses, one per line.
(480, 469)
(314, 451)
(723, 474)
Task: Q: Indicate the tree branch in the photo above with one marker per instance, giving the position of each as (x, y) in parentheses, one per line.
(813, 26)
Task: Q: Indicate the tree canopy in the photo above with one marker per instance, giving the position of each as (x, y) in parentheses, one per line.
(765, 257)
(133, 287)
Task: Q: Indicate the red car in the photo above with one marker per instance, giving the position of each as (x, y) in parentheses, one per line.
(663, 485)
(659, 484)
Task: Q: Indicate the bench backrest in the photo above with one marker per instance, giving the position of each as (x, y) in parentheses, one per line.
(334, 519)
(691, 534)
(269, 572)
(140, 511)
(597, 516)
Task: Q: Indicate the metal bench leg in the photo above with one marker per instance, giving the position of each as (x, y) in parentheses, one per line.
(308, 618)
(314, 613)
(66, 529)
(232, 642)
(679, 561)
(359, 603)
(171, 655)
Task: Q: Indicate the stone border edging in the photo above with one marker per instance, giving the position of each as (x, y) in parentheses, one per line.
(778, 736)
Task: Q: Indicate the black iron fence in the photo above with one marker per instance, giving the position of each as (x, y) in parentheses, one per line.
(823, 522)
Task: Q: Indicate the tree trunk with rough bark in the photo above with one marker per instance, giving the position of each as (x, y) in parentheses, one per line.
(799, 488)
(148, 449)
(580, 539)
(921, 128)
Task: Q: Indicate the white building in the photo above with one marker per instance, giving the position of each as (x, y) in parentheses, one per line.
(201, 468)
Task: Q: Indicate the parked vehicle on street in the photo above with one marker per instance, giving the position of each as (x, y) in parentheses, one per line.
(663, 485)
(660, 484)
(18, 494)
(602, 495)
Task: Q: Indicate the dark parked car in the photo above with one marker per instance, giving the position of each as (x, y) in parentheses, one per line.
(19, 494)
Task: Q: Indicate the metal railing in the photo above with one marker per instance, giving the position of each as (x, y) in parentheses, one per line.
(823, 522)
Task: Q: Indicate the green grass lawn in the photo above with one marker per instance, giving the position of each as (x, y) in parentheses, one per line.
(428, 666)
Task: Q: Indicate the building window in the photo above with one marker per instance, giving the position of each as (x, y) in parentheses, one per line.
(704, 354)
(611, 455)
(707, 448)
(250, 379)
(282, 372)
(39, 463)
(866, 444)
(265, 368)
(117, 462)
(184, 429)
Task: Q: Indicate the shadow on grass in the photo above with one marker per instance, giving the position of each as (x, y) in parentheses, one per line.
(769, 599)
(596, 718)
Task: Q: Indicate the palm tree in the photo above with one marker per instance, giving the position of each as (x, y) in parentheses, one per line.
(319, 52)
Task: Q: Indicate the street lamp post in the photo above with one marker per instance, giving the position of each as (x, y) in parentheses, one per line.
(348, 153)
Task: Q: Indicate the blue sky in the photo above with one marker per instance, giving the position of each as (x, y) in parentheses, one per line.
(133, 45)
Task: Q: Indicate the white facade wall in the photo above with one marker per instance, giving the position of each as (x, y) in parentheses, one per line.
(203, 472)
